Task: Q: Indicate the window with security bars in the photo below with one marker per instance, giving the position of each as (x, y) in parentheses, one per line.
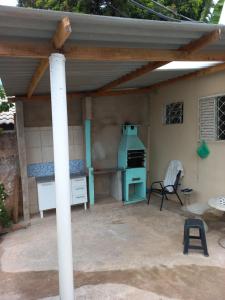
(212, 118)
(173, 113)
(221, 118)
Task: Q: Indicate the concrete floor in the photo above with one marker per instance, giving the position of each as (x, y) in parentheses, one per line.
(120, 252)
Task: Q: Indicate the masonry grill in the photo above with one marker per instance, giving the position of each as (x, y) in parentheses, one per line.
(132, 160)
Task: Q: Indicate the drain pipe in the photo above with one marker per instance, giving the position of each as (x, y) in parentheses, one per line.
(62, 175)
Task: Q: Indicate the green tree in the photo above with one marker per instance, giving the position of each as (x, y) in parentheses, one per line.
(214, 17)
(190, 8)
(4, 216)
(4, 105)
(206, 10)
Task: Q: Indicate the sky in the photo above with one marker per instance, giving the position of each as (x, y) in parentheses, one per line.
(8, 2)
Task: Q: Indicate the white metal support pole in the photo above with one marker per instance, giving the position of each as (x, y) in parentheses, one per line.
(62, 176)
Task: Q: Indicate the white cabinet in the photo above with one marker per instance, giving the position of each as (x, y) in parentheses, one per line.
(78, 190)
(46, 193)
(46, 196)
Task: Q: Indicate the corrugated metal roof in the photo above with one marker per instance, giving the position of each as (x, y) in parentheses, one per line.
(20, 24)
(154, 77)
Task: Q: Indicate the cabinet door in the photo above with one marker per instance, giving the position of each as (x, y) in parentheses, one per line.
(78, 190)
(46, 195)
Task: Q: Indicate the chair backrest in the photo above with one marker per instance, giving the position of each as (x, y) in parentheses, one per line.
(171, 175)
(177, 181)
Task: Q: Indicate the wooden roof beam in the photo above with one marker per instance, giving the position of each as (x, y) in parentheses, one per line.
(62, 33)
(137, 54)
(190, 48)
(84, 53)
(25, 50)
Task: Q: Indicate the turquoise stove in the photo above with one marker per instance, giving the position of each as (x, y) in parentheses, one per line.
(132, 162)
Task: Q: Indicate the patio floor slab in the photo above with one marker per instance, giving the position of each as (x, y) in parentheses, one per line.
(120, 252)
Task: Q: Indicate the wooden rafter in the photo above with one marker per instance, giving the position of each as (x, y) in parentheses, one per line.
(40, 71)
(203, 72)
(205, 40)
(84, 53)
(62, 33)
(190, 48)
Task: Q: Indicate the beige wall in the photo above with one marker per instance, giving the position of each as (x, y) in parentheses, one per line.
(109, 113)
(38, 113)
(167, 142)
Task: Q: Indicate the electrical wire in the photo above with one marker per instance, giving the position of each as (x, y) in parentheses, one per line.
(117, 10)
(173, 12)
(152, 11)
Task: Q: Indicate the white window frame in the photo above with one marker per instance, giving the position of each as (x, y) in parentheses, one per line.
(199, 125)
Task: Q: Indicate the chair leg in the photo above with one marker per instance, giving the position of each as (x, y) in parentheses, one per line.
(163, 195)
(184, 235)
(149, 195)
(181, 203)
(186, 240)
(166, 197)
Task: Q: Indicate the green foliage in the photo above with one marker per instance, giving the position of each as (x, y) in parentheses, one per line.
(215, 16)
(195, 9)
(189, 8)
(206, 10)
(4, 216)
(4, 105)
(2, 93)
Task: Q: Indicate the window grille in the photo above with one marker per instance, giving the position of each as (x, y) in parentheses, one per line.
(174, 113)
(212, 118)
(221, 118)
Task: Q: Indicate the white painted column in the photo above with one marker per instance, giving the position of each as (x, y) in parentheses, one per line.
(222, 16)
(62, 176)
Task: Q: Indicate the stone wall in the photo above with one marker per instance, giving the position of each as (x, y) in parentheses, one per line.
(9, 169)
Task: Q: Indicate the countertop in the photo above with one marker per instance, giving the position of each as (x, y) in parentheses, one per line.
(52, 178)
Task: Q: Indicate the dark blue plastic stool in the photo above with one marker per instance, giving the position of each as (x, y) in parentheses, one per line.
(194, 223)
